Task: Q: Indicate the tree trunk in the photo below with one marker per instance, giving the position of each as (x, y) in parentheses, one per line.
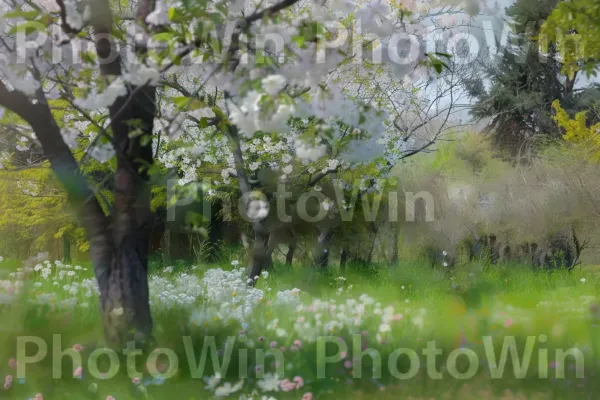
(260, 255)
(177, 246)
(289, 257)
(395, 245)
(343, 261)
(119, 245)
(375, 231)
(66, 249)
(125, 297)
(321, 251)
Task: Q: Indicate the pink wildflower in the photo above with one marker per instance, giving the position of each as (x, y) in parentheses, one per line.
(77, 347)
(299, 382)
(287, 386)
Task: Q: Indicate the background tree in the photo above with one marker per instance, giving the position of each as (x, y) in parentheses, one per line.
(573, 26)
(516, 91)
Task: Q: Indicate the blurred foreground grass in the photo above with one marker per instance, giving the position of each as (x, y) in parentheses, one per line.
(381, 309)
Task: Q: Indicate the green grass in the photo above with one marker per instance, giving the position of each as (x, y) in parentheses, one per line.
(456, 308)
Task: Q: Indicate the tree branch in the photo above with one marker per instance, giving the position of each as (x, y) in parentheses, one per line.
(64, 165)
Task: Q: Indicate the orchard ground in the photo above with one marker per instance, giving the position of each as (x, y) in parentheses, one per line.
(302, 334)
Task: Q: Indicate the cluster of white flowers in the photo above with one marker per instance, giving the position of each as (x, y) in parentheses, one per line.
(376, 16)
(142, 75)
(327, 317)
(102, 151)
(70, 137)
(74, 17)
(183, 292)
(576, 306)
(18, 77)
(250, 116)
(160, 15)
(59, 285)
(288, 298)
(273, 84)
(200, 113)
(96, 101)
(230, 291)
(308, 154)
(219, 298)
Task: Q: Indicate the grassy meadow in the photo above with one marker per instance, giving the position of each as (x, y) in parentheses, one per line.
(303, 334)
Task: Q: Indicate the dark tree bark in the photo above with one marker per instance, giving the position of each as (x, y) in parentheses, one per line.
(322, 247)
(343, 261)
(127, 286)
(261, 252)
(374, 231)
(260, 258)
(124, 297)
(396, 231)
(66, 249)
(289, 257)
(177, 246)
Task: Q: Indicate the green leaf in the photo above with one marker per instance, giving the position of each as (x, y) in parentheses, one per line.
(27, 27)
(22, 14)
(219, 113)
(299, 40)
(145, 140)
(176, 15)
(181, 102)
(187, 103)
(217, 18)
(194, 218)
(445, 55)
(163, 37)
(118, 34)
(89, 57)
(215, 44)
(437, 64)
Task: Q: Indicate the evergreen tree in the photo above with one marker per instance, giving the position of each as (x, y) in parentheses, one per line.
(517, 89)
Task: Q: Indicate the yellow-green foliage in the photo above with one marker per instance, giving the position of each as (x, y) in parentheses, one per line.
(577, 131)
(574, 27)
(35, 211)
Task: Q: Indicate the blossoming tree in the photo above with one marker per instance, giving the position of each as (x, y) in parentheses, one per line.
(118, 72)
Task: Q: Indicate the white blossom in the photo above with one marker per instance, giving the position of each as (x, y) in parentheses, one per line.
(95, 100)
(200, 113)
(273, 84)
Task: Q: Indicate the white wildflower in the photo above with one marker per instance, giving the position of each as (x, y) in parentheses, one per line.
(228, 389)
(212, 382)
(269, 383)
